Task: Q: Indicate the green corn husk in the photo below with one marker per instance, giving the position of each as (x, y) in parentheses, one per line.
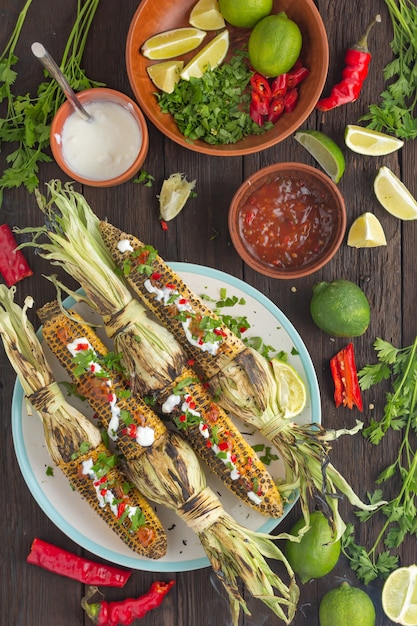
(170, 475)
(74, 243)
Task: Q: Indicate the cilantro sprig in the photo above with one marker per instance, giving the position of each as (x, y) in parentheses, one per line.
(400, 415)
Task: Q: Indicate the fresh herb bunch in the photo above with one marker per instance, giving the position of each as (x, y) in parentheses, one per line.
(26, 126)
(400, 414)
(215, 107)
(397, 111)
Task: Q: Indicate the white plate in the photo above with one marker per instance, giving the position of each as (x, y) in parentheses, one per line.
(74, 516)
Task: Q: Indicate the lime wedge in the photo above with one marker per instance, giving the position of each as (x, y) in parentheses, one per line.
(366, 232)
(175, 192)
(370, 142)
(165, 75)
(172, 43)
(399, 596)
(291, 390)
(326, 152)
(206, 15)
(209, 57)
(394, 195)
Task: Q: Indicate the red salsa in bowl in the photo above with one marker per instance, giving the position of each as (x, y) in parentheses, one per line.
(287, 220)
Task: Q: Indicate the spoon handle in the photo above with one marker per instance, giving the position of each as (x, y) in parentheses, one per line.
(48, 62)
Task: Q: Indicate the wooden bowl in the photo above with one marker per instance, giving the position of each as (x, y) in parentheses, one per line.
(289, 260)
(154, 17)
(85, 97)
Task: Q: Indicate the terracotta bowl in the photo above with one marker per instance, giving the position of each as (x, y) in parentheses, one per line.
(249, 209)
(85, 97)
(154, 17)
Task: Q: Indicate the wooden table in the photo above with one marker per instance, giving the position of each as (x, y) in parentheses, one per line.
(31, 596)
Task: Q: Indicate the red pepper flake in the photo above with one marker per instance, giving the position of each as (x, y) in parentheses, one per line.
(156, 276)
(171, 286)
(191, 362)
(346, 386)
(183, 418)
(204, 427)
(164, 224)
(183, 301)
(121, 507)
(110, 397)
(13, 264)
(224, 445)
(243, 329)
(81, 346)
(209, 443)
(220, 332)
(233, 458)
(104, 491)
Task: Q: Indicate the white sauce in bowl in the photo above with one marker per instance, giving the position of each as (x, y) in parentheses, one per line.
(105, 147)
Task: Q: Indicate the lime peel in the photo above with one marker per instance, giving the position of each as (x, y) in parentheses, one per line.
(175, 192)
(291, 390)
(324, 150)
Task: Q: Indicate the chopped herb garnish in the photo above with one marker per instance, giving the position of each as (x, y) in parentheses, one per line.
(145, 178)
(49, 471)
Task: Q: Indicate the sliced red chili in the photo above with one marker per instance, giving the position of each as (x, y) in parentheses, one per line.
(83, 570)
(257, 117)
(279, 86)
(290, 100)
(13, 264)
(260, 85)
(260, 103)
(164, 225)
(276, 109)
(346, 386)
(296, 76)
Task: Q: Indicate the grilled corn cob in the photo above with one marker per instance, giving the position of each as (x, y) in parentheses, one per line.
(73, 442)
(206, 427)
(242, 381)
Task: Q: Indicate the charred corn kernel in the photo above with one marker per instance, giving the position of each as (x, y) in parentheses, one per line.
(98, 377)
(201, 333)
(117, 502)
(216, 440)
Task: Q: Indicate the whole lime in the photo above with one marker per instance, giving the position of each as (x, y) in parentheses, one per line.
(274, 45)
(346, 606)
(245, 13)
(340, 308)
(317, 553)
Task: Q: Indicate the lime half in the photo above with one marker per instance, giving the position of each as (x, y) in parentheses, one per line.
(399, 596)
(370, 142)
(366, 232)
(291, 390)
(394, 195)
(324, 150)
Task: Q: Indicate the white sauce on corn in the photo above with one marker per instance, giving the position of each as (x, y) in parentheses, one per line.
(124, 246)
(145, 436)
(105, 496)
(168, 296)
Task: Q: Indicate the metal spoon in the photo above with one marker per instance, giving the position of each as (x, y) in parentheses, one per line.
(48, 62)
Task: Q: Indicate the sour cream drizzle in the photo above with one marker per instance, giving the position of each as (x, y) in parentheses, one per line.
(143, 435)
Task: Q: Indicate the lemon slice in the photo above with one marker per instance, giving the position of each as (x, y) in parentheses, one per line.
(175, 192)
(291, 390)
(326, 152)
(399, 596)
(370, 142)
(209, 57)
(394, 195)
(206, 15)
(366, 232)
(165, 75)
(172, 43)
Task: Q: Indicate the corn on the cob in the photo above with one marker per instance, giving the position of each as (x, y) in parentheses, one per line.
(241, 380)
(76, 245)
(206, 427)
(73, 442)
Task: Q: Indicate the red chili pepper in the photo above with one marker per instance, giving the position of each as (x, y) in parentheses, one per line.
(125, 611)
(296, 76)
(13, 265)
(276, 109)
(164, 225)
(260, 103)
(279, 86)
(290, 100)
(346, 386)
(257, 117)
(83, 570)
(260, 85)
(357, 61)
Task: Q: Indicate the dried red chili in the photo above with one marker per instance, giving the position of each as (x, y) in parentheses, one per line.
(67, 564)
(125, 611)
(357, 61)
(13, 265)
(346, 386)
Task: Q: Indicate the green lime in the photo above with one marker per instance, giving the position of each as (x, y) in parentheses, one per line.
(324, 150)
(245, 13)
(316, 554)
(340, 308)
(274, 45)
(346, 606)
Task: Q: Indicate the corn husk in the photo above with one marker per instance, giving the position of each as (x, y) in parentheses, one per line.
(170, 475)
